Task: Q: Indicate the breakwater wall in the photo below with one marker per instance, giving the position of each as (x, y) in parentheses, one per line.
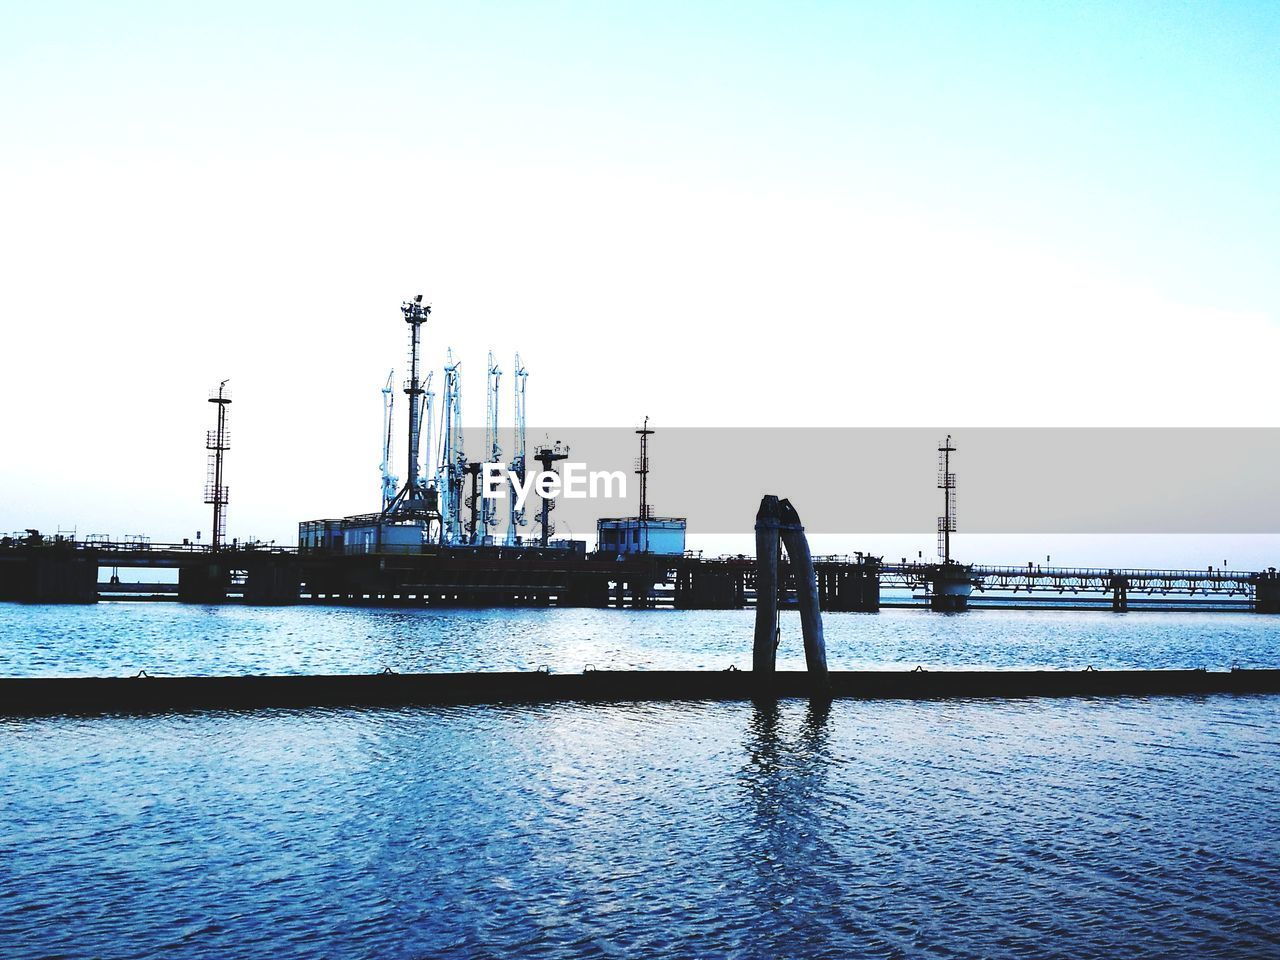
(144, 694)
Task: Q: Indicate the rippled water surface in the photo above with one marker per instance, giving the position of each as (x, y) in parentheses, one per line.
(1000, 829)
(171, 638)
(1043, 828)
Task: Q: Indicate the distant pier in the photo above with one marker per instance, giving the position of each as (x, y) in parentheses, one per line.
(54, 570)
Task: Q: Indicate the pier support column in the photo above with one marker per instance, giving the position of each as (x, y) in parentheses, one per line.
(586, 590)
(273, 582)
(49, 575)
(952, 584)
(708, 586)
(850, 587)
(1266, 597)
(204, 583)
(1119, 594)
(641, 593)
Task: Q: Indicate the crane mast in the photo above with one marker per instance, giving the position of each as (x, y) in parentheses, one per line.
(428, 416)
(453, 460)
(492, 444)
(390, 482)
(519, 380)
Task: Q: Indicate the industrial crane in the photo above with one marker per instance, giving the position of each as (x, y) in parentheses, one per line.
(453, 460)
(492, 446)
(428, 414)
(390, 483)
(519, 382)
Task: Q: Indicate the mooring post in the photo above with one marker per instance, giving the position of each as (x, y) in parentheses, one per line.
(797, 544)
(778, 524)
(765, 652)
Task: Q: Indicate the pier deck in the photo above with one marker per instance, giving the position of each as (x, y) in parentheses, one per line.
(69, 571)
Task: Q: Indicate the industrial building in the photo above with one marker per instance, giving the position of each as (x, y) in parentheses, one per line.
(643, 533)
(439, 503)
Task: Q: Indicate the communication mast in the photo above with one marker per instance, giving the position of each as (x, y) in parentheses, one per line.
(218, 442)
(516, 520)
(642, 470)
(947, 484)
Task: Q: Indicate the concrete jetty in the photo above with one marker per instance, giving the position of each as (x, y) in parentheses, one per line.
(145, 694)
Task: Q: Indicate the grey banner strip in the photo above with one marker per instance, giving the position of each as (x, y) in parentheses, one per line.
(885, 480)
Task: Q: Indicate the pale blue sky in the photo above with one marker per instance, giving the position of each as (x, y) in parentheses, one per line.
(951, 206)
(1142, 135)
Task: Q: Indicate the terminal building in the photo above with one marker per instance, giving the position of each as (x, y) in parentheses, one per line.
(645, 533)
(620, 536)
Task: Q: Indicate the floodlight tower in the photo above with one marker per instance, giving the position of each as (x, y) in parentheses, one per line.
(547, 455)
(412, 498)
(492, 444)
(519, 382)
(947, 484)
(218, 442)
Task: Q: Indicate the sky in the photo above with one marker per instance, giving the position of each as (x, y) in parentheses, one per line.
(810, 214)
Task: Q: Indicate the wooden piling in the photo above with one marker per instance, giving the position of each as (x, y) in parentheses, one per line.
(765, 650)
(777, 523)
(797, 545)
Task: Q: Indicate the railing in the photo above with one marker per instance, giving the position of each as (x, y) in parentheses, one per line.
(1033, 577)
(18, 542)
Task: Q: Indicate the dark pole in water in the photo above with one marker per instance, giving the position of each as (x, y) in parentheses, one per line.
(797, 544)
(777, 521)
(765, 651)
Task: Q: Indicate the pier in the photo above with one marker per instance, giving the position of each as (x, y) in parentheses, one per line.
(60, 570)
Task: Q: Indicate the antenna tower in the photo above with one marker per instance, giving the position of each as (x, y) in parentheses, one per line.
(218, 442)
(947, 484)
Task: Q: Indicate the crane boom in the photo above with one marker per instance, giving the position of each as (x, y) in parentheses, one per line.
(390, 483)
(516, 518)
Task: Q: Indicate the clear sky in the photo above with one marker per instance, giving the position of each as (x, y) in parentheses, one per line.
(800, 213)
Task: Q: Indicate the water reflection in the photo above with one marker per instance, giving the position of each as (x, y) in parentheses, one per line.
(796, 869)
(886, 829)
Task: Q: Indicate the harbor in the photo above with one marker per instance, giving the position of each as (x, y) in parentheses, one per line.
(611, 482)
(439, 540)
